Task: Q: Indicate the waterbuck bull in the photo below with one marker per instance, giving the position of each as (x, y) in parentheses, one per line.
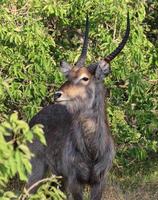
(79, 144)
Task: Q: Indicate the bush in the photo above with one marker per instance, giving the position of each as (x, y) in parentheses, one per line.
(36, 35)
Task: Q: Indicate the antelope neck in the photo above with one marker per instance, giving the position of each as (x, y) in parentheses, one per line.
(90, 125)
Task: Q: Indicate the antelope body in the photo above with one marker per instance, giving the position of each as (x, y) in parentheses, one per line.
(79, 144)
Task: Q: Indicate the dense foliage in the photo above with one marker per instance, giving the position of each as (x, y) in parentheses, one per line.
(36, 35)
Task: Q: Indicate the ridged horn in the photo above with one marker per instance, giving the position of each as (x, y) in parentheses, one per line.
(82, 58)
(92, 67)
(112, 55)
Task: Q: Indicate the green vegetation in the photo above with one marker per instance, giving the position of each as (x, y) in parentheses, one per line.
(35, 36)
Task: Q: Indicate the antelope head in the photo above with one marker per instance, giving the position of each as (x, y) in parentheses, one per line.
(80, 90)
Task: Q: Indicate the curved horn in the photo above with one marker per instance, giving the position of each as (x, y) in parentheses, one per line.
(92, 67)
(82, 57)
(112, 55)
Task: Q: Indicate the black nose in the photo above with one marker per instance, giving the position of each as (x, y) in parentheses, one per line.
(57, 95)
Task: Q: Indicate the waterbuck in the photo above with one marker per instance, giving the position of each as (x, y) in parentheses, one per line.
(79, 145)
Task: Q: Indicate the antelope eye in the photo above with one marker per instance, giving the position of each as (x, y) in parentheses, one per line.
(85, 79)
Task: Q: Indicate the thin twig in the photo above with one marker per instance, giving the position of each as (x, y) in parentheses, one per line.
(27, 192)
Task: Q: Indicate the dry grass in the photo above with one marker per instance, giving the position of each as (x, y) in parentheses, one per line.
(146, 191)
(128, 188)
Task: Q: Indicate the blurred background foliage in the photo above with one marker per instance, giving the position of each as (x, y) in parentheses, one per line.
(36, 35)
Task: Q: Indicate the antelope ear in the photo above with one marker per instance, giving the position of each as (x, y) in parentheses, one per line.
(65, 67)
(103, 70)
